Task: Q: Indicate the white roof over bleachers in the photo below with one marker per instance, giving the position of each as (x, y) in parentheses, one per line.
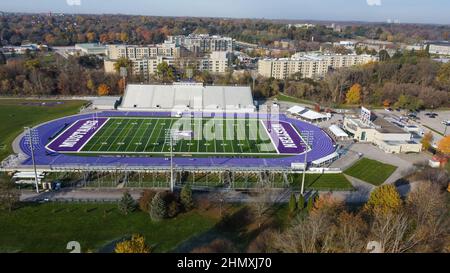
(325, 159)
(337, 131)
(140, 97)
(306, 113)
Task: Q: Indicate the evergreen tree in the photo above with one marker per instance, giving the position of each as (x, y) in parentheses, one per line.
(126, 204)
(310, 203)
(301, 202)
(292, 205)
(158, 208)
(2, 58)
(186, 197)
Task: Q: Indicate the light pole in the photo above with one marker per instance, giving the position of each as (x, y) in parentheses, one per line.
(170, 137)
(308, 144)
(30, 137)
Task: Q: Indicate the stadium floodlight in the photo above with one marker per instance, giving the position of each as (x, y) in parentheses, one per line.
(171, 138)
(32, 138)
(308, 138)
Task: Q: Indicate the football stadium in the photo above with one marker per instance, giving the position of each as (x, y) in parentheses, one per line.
(180, 127)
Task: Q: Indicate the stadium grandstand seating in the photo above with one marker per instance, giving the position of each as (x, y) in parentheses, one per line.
(187, 97)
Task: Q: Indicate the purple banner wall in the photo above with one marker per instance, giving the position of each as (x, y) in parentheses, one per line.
(72, 139)
(285, 138)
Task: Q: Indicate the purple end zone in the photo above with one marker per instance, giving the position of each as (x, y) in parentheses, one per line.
(72, 139)
(285, 138)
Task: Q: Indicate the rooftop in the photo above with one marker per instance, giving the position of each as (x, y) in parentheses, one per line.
(386, 127)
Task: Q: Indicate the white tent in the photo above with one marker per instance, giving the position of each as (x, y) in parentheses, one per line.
(307, 114)
(338, 132)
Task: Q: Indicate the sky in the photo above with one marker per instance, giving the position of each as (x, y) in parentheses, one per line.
(404, 11)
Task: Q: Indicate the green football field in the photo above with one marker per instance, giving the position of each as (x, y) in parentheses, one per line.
(198, 136)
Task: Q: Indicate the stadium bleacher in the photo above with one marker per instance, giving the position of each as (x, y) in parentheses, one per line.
(187, 97)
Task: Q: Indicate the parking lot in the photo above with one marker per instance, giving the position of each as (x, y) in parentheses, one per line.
(424, 121)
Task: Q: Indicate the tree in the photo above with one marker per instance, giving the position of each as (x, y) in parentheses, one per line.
(444, 145)
(353, 96)
(9, 195)
(146, 199)
(91, 36)
(2, 58)
(135, 245)
(90, 85)
(123, 62)
(165, 72)
(158, 210)
(126, 204)
(186, 197)
(103, 90)
(426, 141)
(292, 205)
(383, 200)
(384, 55)
(301, 203)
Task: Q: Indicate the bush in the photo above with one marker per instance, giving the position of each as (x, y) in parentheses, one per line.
(135, 245)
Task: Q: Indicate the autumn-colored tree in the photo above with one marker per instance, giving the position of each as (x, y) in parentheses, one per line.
(103, 90)
(121, 83)
(383, 200)
(427, 141)
(135, 245)
(444, 145)
(124, 37)
(386, 103)
(146, 199)
(354, 94)
(90, 85)
(90, 36)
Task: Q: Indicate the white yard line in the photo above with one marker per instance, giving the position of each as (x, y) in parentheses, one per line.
(111, 128)
(270, 136)
(135, 134)
(148, 140)
(118, 136)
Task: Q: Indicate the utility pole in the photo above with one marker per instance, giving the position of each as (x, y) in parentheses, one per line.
(30, 140)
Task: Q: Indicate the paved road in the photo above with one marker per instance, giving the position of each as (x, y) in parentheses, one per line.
(277, 196)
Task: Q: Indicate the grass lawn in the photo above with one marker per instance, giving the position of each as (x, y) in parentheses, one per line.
(282, 97)
(48, 227)
(16, 114)
(371, 171)
(324, 182)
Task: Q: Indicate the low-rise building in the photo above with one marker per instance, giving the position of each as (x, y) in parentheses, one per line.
(440, 48)
(91, 49)
(386, 135)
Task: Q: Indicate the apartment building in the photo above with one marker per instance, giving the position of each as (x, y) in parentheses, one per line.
(141, 52)
(216, 62)
(309, 65)
(202, 43)
(440, 48)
